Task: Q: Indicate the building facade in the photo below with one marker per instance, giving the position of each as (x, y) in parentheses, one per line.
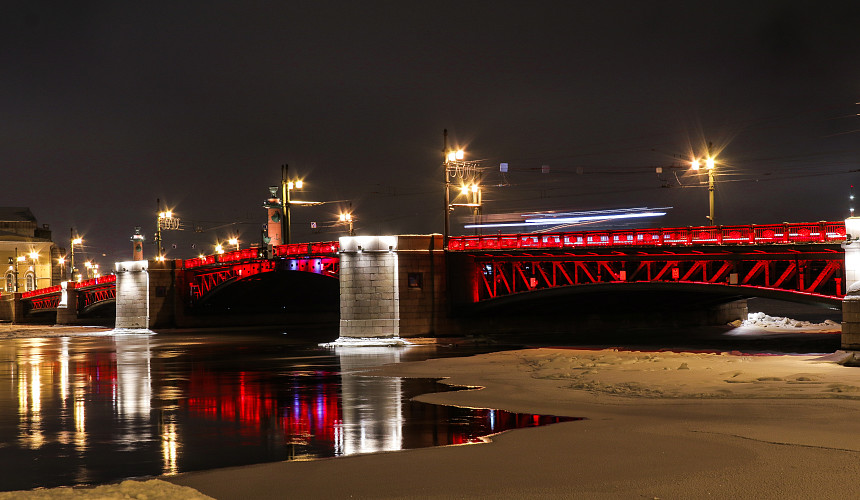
(29, 259)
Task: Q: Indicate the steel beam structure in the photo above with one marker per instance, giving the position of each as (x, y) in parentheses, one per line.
(803, 269)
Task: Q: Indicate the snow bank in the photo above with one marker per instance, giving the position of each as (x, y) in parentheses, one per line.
(153, 489)
(762, 320)
(666, 374)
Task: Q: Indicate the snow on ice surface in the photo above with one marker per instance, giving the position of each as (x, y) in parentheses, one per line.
(696, 375)
(367, 342)
(153, 489)
(762, 320)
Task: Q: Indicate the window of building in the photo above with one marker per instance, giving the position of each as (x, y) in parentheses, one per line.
(10, 282)
(30, 283)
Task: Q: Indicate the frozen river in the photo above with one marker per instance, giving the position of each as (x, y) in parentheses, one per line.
(95, 409)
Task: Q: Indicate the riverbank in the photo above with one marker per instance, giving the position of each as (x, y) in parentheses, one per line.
(658, 425)
(16, 330)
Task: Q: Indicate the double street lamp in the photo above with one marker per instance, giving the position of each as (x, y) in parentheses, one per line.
(455, 166)
(34, 256)
(287, 186)
(710, 164)
(75, 240)
(346, 218)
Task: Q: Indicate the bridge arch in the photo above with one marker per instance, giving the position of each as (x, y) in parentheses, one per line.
(274, 291)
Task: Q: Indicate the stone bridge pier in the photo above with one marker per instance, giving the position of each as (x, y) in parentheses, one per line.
(851, 302)
(392, 287)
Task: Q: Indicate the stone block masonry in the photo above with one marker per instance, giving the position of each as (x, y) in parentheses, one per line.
(392, 286)
(132, 294)
(369, 298)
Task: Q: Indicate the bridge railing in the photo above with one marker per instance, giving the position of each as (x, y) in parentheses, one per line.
(318, 248)
(101, 280)
(323, 248)
(813, 232)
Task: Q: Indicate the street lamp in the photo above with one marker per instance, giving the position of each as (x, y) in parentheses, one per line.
(346, 217)
(164, 218)
(61, 261)
(456, 166)
(219, 248)
(75, 240)
(286, 187)
(710, 163)
(34, 256)
(234, 241)
(18, 260)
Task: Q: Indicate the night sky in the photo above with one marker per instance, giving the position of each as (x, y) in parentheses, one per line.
(109, 106)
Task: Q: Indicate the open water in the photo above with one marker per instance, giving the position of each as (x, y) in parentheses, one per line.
(94, 409)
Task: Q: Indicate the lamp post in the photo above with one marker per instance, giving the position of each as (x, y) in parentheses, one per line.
(710, 163)
(234, 241)
(34, 256)
(287, 186)
(163, 218)
(346, 217)
(17, 260)
(451, 160)
(61, 261)
(75, 240)
(456, 166)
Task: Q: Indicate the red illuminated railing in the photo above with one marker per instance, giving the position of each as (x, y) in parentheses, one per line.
(41, 291)
(814, 232)
(101, 280)
(320, 248)
(292, 250)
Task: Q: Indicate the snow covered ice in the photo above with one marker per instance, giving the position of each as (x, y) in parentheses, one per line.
(762, 320)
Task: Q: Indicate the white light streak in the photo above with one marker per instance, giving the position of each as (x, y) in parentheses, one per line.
(577, 217)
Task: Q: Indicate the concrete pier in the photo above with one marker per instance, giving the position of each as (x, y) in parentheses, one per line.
(392, 286)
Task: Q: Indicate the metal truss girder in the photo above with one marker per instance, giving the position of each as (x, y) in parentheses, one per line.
(44, 302)
(92, 296)
(821, 274)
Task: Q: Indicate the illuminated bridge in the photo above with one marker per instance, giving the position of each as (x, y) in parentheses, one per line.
(802, 261)
(792, 261)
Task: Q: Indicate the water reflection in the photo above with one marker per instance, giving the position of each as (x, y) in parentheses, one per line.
(373, 413)
(97, 409)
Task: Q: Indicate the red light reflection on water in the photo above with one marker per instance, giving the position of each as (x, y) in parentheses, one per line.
(306, 413)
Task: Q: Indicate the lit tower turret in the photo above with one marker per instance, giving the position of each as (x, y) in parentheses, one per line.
(273, 234)
(137, 244)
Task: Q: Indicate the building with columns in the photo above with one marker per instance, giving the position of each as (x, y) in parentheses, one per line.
(29, 259)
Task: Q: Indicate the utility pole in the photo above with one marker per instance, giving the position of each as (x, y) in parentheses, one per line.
(447, 188)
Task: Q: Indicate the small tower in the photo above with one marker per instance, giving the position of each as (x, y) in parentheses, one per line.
(137, 244)
(274, 215)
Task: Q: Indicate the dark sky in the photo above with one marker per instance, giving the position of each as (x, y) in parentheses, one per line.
(108, 106)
